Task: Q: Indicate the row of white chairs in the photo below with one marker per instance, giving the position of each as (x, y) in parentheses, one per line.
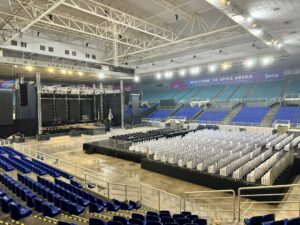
(259, 171)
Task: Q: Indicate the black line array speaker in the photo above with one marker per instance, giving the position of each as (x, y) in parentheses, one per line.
(23, 94)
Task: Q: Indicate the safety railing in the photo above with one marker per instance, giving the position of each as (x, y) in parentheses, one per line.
(160, 200)
(216, 205)
(69, 167)
(112, 190)
(52, 147)
(4, 142)
(207, 122)
(269, 199)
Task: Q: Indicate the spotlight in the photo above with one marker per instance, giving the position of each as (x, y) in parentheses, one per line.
(80, 73)
(50, 70)
(101, 75)
(15, 66)
(63, 72)
(212, 68)
(158, 76)
(195, 70)
(249, 63)
(267, 60)
(70, 72)
(29, 68)
(182, 72)
(136, 79)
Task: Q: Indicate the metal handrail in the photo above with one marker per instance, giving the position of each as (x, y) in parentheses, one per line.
(240, 195)
(227, 191)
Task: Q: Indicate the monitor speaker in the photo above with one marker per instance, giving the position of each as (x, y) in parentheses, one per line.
(23, 95)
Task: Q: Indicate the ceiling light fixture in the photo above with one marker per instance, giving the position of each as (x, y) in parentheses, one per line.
(136, 79)
(29, 68)
(182, 72)
(267, 60)
(168, 74)
(212, 68)
(158, 76)
(195, 70)
(249, 63)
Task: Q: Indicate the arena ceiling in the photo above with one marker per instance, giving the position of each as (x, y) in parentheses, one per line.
(155, 35)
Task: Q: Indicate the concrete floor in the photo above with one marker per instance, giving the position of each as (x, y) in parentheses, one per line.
(121, 171)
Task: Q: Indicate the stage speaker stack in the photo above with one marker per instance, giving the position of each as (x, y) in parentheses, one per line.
(23, 94)
(136, 115)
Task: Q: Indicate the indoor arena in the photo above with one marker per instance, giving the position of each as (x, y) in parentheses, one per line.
(150, 112)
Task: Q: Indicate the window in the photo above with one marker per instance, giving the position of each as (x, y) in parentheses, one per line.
(23, 44)
(87, 55)
(73, 53)
(14, 43)
(42, 47)
(67, 52)
(51, 49)
(93, 56)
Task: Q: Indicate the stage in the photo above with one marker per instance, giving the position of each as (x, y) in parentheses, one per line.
(72, 130)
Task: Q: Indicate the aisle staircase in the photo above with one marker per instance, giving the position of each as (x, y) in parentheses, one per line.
(232, 114)
(267, 121)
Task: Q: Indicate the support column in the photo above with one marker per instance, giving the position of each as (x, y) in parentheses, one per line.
(39, 103)
(115, 43)
(94, 103)
(101, 102)
(122, 103)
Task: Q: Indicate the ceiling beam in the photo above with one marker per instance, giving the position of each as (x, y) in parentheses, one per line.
(36, 19)
(118, 17)
(176, 9)
(67, 23)
(210, 37)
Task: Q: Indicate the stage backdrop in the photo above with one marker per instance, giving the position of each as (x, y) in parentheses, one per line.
(250, 77)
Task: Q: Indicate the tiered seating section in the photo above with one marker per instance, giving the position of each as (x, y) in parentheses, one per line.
(258, 91)
(251, 115)
(288, 114)
(11, 159)
(52, 196)
(160, 114)
(266, 90)
(234, 154)
(216, 115)
(186, 112)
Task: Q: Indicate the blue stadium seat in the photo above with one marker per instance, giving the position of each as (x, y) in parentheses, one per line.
(186, 112)
(95, 221)
(251, 115)
(160, 114)
(213, 115)
(18, 211)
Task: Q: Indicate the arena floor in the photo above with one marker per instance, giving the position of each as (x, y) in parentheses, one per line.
(121, 171)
